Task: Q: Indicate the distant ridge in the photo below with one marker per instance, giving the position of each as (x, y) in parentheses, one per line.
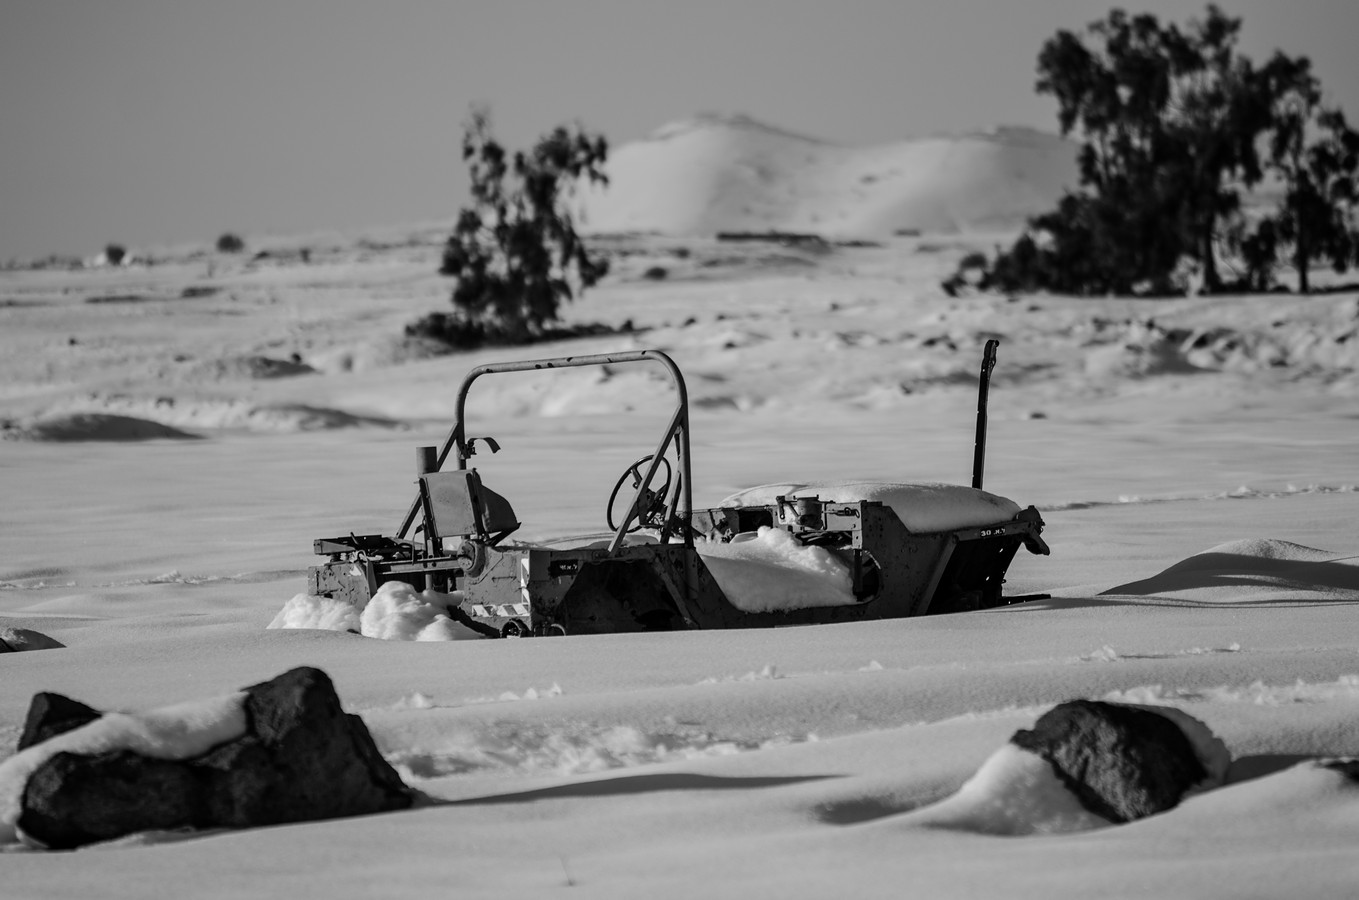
(713, 173)
(726, 120)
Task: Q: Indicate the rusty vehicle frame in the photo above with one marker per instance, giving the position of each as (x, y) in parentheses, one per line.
(649, 573)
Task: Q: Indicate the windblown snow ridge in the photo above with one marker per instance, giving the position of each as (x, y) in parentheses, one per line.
(1145, 347)
(91, 426)
(572, 748)
(124, 417)
(1241, 493)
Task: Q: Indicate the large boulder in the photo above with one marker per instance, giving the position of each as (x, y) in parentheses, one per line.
(301, 757)
(1125, 762)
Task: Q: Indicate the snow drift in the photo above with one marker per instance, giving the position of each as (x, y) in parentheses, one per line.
(396, 612)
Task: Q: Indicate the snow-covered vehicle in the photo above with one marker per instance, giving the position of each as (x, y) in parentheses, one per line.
(787, 554)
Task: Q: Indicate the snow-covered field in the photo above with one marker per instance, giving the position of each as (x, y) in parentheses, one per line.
(1194, 460)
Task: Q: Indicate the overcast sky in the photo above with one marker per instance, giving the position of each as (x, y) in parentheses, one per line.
(148, 122)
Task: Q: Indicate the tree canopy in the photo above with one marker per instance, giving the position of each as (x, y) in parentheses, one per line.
(514, 252)
(1174, 125)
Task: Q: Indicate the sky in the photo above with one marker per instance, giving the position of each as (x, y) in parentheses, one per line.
(153, 122)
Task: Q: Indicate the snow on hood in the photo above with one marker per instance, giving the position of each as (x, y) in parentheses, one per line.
(770, 570)
(921, 507)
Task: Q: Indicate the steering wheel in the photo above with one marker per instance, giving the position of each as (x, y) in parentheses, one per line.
(648, 504)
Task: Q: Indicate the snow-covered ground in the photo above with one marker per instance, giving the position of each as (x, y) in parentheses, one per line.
(1194, 460)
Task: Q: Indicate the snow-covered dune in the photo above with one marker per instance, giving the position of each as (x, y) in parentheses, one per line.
(713, 174)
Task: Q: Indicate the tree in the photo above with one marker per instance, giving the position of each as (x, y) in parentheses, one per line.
(515, 251)
(1169, 122)
(1174, 124)
(1321, 177)
(1218, 110)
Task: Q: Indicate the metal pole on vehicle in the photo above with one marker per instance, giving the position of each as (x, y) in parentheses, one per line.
(426, 460)
(983, 392)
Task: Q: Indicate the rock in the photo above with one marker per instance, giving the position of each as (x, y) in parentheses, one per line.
(1084, 765)
(73, 800)
(304, 759)
(1122, 762)
(301, 758)
(53, 714)
(1347, 766)
(19, 639)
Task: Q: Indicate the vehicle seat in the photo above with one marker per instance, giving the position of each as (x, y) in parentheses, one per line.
(457, 504)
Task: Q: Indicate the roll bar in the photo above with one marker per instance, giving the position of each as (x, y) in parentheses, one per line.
(680, 504)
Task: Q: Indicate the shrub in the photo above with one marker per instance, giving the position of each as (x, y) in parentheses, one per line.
(114, 254)
(974, 260)
(460, 333)
(230, 243)
(451, 329)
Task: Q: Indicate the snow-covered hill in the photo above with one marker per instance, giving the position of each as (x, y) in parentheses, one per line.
(724, 173)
